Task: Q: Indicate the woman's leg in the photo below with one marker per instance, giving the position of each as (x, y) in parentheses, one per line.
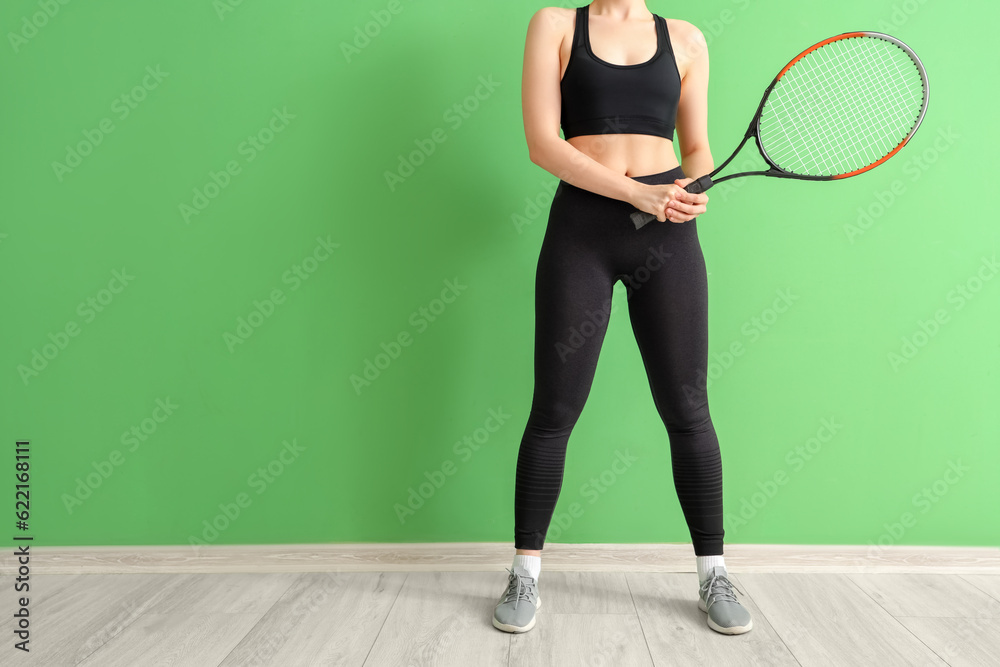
(668, 309)
(573, 289)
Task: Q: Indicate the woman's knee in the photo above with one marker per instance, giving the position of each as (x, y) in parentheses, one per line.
(555, 417)
(684, 417)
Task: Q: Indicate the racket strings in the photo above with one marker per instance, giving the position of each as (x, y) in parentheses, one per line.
(842, 107)
(900, 125)
(817, 100)
(827, 114)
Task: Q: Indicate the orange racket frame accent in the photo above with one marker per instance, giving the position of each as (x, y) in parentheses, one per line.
(849, 35)
(846, 35)
(640, 218)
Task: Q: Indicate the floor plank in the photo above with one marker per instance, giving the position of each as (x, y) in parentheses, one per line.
(677, 631)
(927, 595)
(987, 583)
(826, 619)
(184, 639)
(72, 616)
(224, 593)
(962, 642)
(443, 618)
(581, 592)
(323, 619)
(584, 639)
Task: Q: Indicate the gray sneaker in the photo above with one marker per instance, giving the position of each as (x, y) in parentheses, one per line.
(725, 613)
(515, 612)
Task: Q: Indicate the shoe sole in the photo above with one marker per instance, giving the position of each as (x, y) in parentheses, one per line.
(513, 628)
(735, 630)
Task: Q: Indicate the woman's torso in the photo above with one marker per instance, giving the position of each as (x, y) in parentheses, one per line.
(628, 154)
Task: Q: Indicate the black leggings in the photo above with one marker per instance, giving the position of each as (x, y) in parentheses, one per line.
(589, 244)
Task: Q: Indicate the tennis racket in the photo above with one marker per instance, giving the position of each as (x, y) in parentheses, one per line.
(838, 109)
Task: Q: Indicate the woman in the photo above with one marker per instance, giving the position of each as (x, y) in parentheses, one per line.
(617, 79)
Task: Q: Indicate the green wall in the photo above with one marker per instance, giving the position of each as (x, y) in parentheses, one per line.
(201, 246)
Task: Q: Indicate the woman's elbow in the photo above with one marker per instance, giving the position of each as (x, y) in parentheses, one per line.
(699, 148)
(536, 152)
(540, 147)
(539, 158)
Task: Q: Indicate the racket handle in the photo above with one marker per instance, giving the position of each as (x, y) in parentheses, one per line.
(641, 218)
(700, 184)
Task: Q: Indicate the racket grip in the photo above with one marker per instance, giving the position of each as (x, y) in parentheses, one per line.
(700, 184)
(641, 218)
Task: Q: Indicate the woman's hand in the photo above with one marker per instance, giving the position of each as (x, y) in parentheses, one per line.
(671, 201)
(689, 207)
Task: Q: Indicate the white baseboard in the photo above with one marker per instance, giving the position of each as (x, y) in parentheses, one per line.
(490, 556)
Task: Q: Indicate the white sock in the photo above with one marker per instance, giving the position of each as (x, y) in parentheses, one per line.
(533, 564)
(705, 565)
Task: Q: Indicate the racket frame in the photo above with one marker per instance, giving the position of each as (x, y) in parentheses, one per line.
(640, 218)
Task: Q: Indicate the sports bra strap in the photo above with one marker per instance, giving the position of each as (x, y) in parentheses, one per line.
(578, 29)
(666, 34)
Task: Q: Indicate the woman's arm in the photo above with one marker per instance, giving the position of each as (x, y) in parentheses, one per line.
(692, 110)
(691, 55)
(541, 101)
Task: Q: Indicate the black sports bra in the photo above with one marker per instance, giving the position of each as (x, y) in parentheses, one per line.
(599, 97)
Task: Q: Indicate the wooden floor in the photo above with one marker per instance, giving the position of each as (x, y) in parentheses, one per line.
(416, 618)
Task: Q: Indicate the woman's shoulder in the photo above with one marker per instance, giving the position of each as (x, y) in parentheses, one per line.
(554, 14)
(685, 36)
(684, 31)
(553, 19)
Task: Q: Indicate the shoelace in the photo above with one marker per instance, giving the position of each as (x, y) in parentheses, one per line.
(718, 587)
(520, 586)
